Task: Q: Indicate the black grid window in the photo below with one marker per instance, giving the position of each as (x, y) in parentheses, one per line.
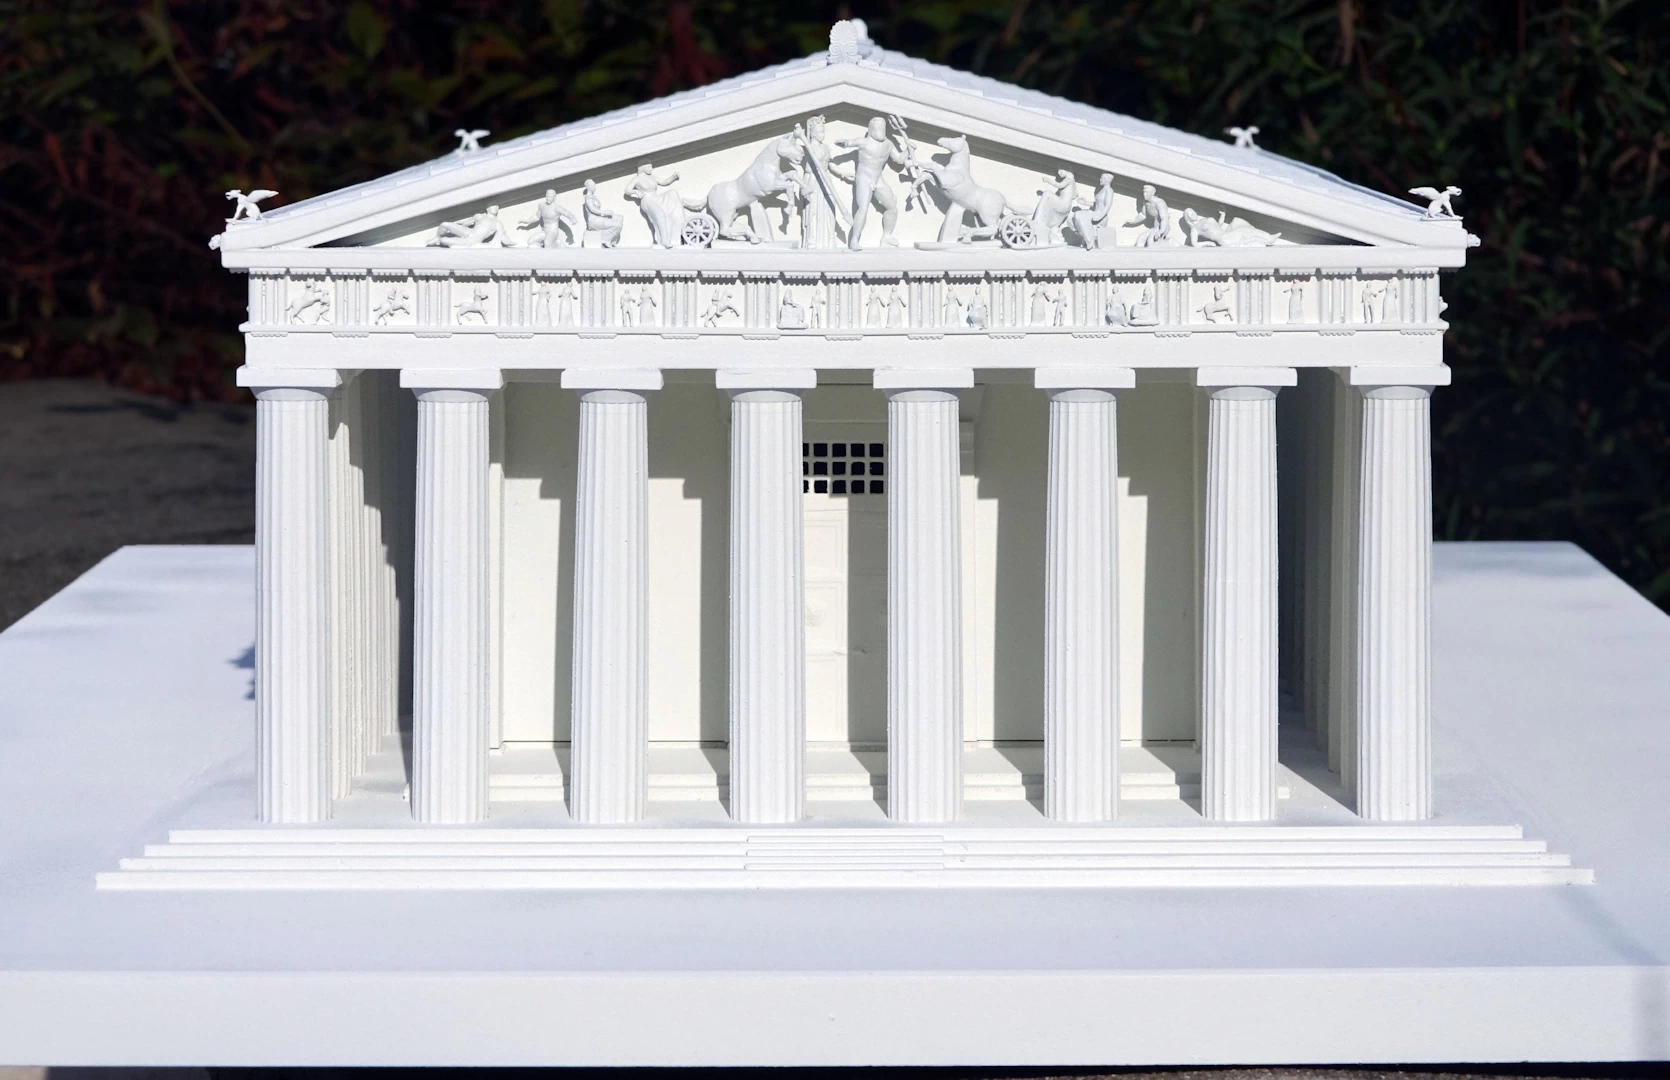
(843, 468)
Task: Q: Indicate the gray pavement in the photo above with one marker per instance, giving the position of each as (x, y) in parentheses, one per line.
(86, 468)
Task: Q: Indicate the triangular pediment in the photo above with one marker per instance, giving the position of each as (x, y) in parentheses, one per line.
(1019, 144)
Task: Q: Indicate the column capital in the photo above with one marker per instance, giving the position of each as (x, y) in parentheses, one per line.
(922, 378)
(261, 377)
(635, 379)
(1420, 375)
(1084, 378)
(1271, 378)
(482, 380)
(742, 379)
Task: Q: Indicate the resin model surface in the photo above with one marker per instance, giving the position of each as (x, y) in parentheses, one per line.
(851, 496)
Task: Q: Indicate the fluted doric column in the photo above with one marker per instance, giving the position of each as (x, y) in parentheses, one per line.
(1394, 595)
(292, 593)
(451, 653)
(924, 595)
(1081, 601)
(609, 725)
(768, 596)
(1239, 695)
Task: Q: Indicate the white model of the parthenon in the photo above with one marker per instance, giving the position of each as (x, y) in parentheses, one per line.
(904, 548)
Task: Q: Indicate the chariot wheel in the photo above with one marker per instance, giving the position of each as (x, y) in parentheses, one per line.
(699, 230)
(1016, 232)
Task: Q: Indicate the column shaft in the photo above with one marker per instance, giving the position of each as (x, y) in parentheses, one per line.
(1081, 629)
(1342, 658)
(450, 635)
(1394, 591)
(924, 608)
(1239, 696)
(768, 637)
(292, 605)
(610, 727)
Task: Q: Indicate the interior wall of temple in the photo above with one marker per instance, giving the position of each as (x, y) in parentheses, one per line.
(1005, 439)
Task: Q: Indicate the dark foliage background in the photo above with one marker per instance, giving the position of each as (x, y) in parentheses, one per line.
(122, 123)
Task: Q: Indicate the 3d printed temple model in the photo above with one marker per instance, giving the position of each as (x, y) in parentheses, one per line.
(857, 472)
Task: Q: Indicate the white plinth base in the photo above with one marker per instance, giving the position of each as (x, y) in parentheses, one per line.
(810, 857)
(127, 719)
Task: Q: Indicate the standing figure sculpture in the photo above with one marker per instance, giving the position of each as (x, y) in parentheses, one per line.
(1295, 302)
(1090, 222)
(1155, 216)
(542, 306)
(602, 226)
(1062, 306)
(664, 211)
(953, 308)
(551, 219)
(875, 312)
(1040, 298)
(977, 310)
(1371, 293)
(873, 151)
(896, 306)
(568, 302)
(820, 204)
(646, 307)
(628, 308)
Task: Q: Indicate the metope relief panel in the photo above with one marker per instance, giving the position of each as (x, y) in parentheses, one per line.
(391, 299)
(1212, 300)
(1295, 297)
(472, 302)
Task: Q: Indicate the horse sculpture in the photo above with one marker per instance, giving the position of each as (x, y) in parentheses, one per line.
(957, 181)
(764, 178)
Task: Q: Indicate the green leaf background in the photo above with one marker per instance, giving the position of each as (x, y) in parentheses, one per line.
(122, 123)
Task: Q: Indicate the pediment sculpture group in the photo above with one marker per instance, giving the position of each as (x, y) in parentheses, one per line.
(826, 194)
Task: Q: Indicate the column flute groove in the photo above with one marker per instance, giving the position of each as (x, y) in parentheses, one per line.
(1239, 696)
(450, 635)
(924, 608)
(767, 609)
(1393, 684)
(609, 719)
(1081, 631)
(292, 602)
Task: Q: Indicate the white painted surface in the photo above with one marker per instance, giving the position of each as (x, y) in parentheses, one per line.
(98, 760)
(292, 508)
(609, 712)
(1239, 695)
(924, 608)
(1081, 632)
(451, 680)
(1394, 602)
(767, 609)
